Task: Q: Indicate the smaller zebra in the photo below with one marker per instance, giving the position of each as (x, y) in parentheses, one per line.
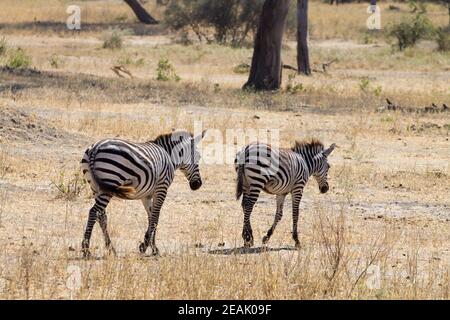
(137, 171)
(279, 171)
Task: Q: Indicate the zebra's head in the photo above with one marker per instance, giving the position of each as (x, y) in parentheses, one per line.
(186, 157)
(316, 158)
(321, 167)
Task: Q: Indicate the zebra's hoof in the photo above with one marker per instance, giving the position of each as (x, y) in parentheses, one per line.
(112, 251)
(142, 248)
(265, 239)
(297, 245)
(248, 244)
(155, 252)
(86, 254)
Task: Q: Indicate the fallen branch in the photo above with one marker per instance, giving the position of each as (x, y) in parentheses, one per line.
(326, 65)
(119, 68)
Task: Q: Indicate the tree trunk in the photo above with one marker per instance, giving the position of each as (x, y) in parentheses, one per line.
(302, 38)
(265, 72)
(140, 12)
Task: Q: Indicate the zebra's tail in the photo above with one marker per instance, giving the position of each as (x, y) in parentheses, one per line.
(240, 181)
(124, 191)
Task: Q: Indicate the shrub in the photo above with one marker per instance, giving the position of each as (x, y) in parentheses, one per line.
(55, 62)
(69, 186)
(443, 39)
(18, 59)
(128, 60)
(121, 17)
(409, 32)
(364, 84)
(230, 20)
(165, 71)
(113, 40)
(242, 68)
(294, 87)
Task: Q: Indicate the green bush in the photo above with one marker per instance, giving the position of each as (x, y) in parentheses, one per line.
(165, 71)
(18, 59)
(408, 33)
(231, 21)
(443, 39)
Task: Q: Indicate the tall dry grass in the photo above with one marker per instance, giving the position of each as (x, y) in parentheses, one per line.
(333, 263)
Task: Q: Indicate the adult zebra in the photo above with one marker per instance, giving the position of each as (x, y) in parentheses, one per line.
(127, 170)
(278, 171)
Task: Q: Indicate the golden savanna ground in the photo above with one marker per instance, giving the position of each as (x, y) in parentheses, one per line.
(382, 231)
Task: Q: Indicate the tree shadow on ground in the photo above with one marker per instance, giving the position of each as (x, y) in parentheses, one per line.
(244, 250)
(138, 29)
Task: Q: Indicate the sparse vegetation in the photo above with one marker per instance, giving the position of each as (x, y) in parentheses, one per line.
(113, 40)
(18, 59)
(294, 87)
(443, 39)
(55, 62)
(165, 71)
(242, 68)
(3, 46)
(408, 33)
(69, 185)
(232, 21)
(129, 60)
(5, 163)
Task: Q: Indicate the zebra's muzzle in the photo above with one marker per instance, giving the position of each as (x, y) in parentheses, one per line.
(324, 188)
(196, 184)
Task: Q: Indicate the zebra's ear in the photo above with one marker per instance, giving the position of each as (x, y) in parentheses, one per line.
(327, 152)
(198, 138)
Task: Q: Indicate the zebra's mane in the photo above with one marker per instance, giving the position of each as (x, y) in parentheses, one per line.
(168, 136)
(313, 146)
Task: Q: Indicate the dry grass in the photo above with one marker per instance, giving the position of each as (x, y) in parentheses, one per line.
(353, 26)
(387, 210)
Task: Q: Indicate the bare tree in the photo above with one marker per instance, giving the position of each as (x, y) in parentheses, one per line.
(140, 12)
(265, 71)
(302, 38)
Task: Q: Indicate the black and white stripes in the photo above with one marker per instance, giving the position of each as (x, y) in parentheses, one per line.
(127, 170)
(278, 171)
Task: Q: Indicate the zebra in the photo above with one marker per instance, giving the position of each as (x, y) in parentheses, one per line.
(279, 171)
(132, 171)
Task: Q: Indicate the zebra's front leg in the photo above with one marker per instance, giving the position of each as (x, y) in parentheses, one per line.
(147, 202)
(296, 198)
(278, 215)
(153, 218)
(98, 209)
(248, 202)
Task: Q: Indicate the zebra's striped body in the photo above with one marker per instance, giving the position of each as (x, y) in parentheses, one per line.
(144, 171)
(279, 172)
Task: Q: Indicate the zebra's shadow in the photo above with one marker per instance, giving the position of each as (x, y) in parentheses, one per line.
(245, 250)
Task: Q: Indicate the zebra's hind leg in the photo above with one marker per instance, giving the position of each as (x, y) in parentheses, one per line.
(296, 198)
(103, 220)
(101, 201)
(248, 202)
(278, 215)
